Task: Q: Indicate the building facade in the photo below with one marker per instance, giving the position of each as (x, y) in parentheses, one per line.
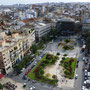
(41, 30)
(68, 27)
(13, 49)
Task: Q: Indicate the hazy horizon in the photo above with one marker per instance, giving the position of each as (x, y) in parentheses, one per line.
(11, 2)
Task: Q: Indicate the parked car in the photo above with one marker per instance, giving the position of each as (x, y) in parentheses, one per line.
(76, 76)
(83, 87)
(84, 59)
(77, 65)
(24, 85)
(85, 77)
(24, 77)
(86, 62)
(26, 72)
(85, 72)
(32, 88)
(29, 69)
(33, 66)
(85, 68)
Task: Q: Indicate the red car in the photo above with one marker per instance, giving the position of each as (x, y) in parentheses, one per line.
(85, 68)
(30, 69)
(26, 72)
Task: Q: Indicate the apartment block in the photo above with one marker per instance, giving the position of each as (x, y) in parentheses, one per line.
(12, 49)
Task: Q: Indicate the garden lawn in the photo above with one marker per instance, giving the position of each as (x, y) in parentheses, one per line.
(73, 65)
(31, 73)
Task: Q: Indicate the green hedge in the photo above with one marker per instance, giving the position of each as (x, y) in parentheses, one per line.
(69, 65)
(1, 86)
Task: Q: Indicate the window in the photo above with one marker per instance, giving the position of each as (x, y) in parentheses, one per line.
(8, 68)
(4, 61)
(3, 54)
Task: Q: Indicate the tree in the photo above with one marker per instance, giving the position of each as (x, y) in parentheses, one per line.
(88, 44)
(41, 72)
(34, 48)
(58, 53)
(87, 34)
(54, 32)
(65, 55)
(9, 32)
(41, 44)
(1, 86)
(54, 77)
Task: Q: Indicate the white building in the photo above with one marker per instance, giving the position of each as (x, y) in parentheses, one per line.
(41, 30)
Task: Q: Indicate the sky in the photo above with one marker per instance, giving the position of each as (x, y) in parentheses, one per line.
(10, 2)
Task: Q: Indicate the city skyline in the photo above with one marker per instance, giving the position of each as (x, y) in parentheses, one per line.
(11, 2)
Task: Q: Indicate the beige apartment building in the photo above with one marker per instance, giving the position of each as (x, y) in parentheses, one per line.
(12, 49)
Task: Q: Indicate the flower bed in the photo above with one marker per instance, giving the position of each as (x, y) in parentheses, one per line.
(67, 44)
(67, 41)
(62, 44)
(69, 65)
(38, 71)
(68, 47)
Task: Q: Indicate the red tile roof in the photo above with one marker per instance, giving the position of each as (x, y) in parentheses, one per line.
(1, 76)
(29, 20)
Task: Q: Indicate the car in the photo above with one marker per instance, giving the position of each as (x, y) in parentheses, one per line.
(23, 69)
(85, 77)
(32, 88)
(83, 58)
(24, 85)
(85, 82)
(26, 72)
(29, 69)
(85, 68)
(33, 66)
(76, 75)
(83, 87)
(24, 77)
(86, 62)
(35, 63)
(77, 65)
(85, 73)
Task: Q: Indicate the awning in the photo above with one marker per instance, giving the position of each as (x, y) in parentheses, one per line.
(1, 76)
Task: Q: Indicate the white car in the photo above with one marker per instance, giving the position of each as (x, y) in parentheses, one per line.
(85, 82)
(76, 75)
(83, 87)
(32, 88)
(35, 63)
(83, 58)
(85, 72)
